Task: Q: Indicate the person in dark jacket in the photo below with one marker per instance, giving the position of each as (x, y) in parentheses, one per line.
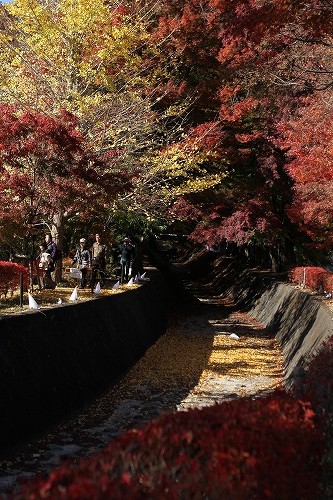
(51, 249)
(51, 246)
(82, 259)
(43, 259)
(127, 251)
(140, 250)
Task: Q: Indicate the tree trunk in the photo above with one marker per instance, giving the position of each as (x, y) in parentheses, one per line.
(58, 236)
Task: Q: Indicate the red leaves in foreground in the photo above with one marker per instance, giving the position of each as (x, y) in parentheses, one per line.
(247, 448)
(10, 275)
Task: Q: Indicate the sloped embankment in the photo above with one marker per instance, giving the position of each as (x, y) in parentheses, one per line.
(298, 320)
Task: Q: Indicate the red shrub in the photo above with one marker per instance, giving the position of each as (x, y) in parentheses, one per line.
(315, 278)
(263, 448)
(10, 276)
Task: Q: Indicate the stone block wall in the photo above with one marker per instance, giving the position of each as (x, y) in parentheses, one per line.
(299, 321)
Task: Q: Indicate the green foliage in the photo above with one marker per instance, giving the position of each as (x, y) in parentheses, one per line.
(124, 222)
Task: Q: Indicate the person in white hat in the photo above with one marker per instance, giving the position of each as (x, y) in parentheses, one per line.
(82, 258)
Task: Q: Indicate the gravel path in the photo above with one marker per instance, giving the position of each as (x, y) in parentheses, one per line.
(209, 354)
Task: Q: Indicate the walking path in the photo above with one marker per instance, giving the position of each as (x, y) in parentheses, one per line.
(209, 354)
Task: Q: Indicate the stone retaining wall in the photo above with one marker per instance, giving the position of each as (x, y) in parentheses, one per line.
(54, 360)
(299, 321)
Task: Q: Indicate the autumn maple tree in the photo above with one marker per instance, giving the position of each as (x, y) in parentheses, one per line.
(47, 168)
(82, 57)
(217, 109)
(307, 139)
(248, 65)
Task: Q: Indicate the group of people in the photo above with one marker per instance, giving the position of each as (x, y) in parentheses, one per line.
(93, 259)
(86, 259)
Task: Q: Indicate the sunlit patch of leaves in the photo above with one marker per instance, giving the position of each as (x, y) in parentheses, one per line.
(203, 354)
(49, 298)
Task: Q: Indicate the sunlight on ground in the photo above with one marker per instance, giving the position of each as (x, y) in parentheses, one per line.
(49, 298)
(189, 357)
(175, 359)
(243, 357)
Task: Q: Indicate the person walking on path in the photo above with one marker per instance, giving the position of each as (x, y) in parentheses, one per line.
(82, 258)
(98, 252)
(140, 249)
(127, 252)
(51, 249)
(43, 259)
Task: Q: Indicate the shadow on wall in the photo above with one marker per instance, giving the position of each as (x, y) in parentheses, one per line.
(54, 360)
(298, 320)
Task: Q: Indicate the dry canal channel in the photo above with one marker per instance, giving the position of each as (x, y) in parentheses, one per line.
(209, 353)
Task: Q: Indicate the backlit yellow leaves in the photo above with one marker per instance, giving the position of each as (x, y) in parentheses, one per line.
(68, 50)
(183, 170)
(197, 185)
(87, 57)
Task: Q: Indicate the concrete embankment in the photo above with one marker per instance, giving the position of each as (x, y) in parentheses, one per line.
(54, 360)
(298, 320)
